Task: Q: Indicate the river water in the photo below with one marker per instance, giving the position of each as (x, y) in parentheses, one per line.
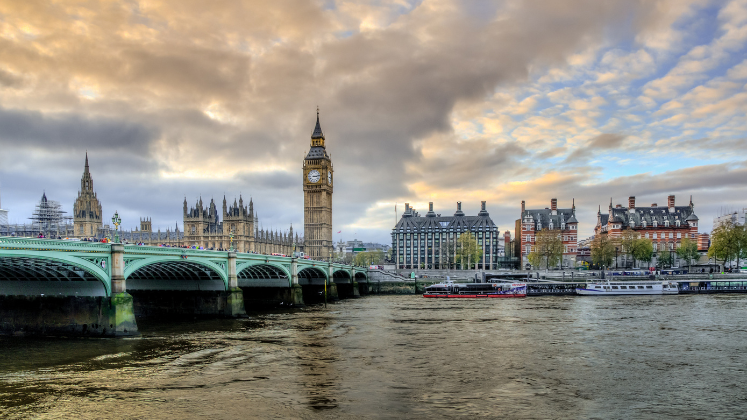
(402, 357)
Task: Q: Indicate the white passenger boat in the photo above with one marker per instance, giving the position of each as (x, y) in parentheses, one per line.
(608, 288)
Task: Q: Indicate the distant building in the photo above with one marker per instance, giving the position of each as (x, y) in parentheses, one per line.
(430, 241)
(87, 214)
(664, 226)
(736, 217)
(355, 246)
(561, 220)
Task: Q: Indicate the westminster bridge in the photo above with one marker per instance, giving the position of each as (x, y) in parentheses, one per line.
(71, 287)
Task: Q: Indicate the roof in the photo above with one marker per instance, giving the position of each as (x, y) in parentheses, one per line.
(317, 152)
(544, 218)
(413, 220)
(318, 133)
(637, 215)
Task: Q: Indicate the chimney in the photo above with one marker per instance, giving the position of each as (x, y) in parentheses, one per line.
(407, 207)
(522, 207)
(554, 204)
(654, 205)
(482, 205)
(459, 206)
(430, 206)
(631, 202)
(670, 201)
(618, 206)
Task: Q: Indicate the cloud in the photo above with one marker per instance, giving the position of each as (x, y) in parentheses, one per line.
(600, 143)
(418, 100)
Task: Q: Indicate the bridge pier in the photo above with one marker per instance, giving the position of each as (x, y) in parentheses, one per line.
(234, 306)
(121, 307)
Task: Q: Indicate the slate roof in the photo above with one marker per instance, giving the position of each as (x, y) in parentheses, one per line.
(317, 152)
(638, 215)
(412, 219)
(318, 133)
(542, 218)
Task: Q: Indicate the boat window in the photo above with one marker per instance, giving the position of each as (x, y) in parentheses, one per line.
(614, 287)
(649, 287)
(640, 287)
(597, 287)
(623, 287)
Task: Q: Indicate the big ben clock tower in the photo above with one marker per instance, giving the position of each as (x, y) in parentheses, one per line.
(317, 197)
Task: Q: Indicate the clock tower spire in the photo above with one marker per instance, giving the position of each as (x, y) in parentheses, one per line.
(317, 197)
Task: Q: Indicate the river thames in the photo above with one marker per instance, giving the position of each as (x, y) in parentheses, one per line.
(402, 357)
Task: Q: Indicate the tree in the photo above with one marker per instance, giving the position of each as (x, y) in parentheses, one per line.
(369, 258)
(688, 251)
(627, 239)
(664, 258)
(602, 250)
(643, 249)
(727, 242)
(548, 248)
(467, 250)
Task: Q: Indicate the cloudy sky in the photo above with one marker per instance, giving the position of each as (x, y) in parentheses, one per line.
(439, 101)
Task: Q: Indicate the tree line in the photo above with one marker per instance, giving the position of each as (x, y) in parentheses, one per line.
(604, 250)
(728, 243)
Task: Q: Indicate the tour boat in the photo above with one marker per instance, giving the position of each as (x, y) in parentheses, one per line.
(476, 290)
(608, 288)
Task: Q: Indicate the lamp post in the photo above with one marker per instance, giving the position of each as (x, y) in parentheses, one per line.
(230, 237)
(116, 221)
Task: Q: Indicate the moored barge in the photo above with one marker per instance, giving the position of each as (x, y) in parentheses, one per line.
(476, 290)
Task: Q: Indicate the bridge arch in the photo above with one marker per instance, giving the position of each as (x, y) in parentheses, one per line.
(175, 273)
(35, 273)
(312, 275)
(361, 276)
(341, 276)
(263, 274)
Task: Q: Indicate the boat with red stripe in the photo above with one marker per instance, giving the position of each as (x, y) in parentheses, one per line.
(451, 290)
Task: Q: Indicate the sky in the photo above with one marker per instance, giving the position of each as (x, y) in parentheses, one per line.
(420, 101)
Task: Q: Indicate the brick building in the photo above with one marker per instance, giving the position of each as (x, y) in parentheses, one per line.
(555, 219)
(664, 226)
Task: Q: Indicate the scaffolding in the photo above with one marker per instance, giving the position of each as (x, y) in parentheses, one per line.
(3, 216)
(49, 218)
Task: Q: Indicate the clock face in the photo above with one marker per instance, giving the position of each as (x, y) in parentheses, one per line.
(329, 178)
(314, 176)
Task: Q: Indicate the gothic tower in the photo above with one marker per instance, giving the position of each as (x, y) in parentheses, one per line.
(317, 197)
(87, 208)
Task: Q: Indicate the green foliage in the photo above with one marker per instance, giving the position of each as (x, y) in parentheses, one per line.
(602, 250)
(642, 249)
(664, 258)
(367, 258)
(688, 250)
(468, 252)
(548, 249)
(728, 242)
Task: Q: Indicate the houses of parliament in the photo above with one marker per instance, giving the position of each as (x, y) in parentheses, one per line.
(236, 225)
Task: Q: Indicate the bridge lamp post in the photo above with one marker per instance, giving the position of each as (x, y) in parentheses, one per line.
(230, 237)
(116, 221)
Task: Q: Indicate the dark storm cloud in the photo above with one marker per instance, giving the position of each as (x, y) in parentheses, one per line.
(22, 129)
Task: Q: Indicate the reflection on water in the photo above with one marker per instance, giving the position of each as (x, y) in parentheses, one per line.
(402, 356)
